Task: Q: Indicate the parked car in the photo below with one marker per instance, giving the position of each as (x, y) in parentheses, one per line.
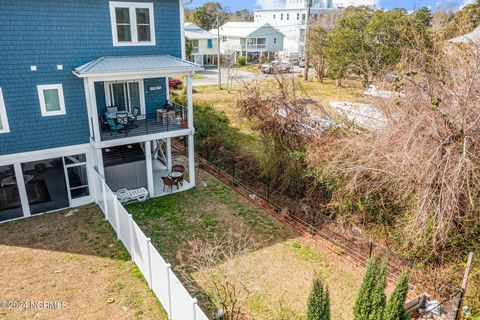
(175, 83)
(277, 67)
(301, 62)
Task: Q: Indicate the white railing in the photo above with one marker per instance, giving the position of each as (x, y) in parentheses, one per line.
(157, 272)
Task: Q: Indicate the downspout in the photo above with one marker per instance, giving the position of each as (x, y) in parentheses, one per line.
(182, 25)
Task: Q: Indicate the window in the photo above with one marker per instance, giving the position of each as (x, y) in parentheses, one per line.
(4, 128)
(281, 16)
(132, 23)
(288, 16)
(274, 16)
(52, 102)
(195, 47)
(298, 16)
(274, 40)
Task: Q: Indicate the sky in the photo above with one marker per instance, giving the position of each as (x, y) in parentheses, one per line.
(235, 5)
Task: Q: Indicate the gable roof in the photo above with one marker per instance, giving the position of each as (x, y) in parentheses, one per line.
(243, 29)
(194, 32)
(472, 37)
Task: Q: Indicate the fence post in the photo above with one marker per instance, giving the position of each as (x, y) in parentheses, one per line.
(132, 244)
(464, 284)
(169, 288)
(194, 305)
(370, 249)
(117, 222)
(104, 191)
(149, 257)
(233, 172)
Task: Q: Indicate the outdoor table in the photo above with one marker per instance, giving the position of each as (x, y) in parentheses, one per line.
(175, 175)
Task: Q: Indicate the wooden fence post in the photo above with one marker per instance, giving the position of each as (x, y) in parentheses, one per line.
(464, 285)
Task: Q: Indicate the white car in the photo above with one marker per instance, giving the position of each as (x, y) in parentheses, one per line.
(277, 67)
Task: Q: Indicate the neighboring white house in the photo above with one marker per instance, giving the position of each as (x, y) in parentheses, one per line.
(203, 44)
(292, 19)
(250, 39)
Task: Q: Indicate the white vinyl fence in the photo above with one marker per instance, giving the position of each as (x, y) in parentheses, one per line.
(169, 290)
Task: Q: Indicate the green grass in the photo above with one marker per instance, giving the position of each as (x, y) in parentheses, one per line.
(198, 77)
(210, 210)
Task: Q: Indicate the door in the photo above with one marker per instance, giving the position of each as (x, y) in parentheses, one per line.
(77, 180)
(126, 96)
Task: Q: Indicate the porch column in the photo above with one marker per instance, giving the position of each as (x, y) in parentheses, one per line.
(22, 190)
(191, 160)
(169, 154)
(99, 162)
(92, 103)
(190, 101)
(148, 157)
(167, 88)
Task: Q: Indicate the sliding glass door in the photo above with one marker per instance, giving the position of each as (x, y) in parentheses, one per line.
(10, 202)
(126, 96)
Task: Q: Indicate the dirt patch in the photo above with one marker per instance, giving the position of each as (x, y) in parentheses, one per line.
(72, 258)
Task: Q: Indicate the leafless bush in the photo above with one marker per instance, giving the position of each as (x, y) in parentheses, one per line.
(213, 265)
(426, 161)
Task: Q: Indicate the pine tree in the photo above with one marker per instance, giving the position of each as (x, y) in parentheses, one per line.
(371, 300)
(379, 298)
(318, 302)
(396, 303)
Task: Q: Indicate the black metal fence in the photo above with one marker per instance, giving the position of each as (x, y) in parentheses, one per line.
(343, 239)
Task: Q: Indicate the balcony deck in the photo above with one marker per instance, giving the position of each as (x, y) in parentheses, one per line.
(145, 127)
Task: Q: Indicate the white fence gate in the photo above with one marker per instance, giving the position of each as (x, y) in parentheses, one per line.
(169, 290)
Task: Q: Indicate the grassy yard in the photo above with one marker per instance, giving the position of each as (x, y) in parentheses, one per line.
(278, 272)
(73, 257)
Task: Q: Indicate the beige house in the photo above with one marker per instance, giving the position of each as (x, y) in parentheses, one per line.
(203, 44)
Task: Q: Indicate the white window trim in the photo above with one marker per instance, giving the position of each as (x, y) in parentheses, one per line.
(41, 97)
(3, 114)
(133, 23)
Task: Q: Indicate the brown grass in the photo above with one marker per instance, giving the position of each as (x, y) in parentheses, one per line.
(71, 257)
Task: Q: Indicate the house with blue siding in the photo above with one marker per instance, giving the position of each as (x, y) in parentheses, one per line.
(84, 87)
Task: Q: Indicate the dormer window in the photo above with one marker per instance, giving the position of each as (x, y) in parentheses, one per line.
(132, 23)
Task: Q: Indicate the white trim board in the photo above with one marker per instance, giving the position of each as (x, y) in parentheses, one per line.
(30, 156)
(41, 97)
(132, 6)
(3, 114)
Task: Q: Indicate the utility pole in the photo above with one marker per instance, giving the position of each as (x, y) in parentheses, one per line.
(305, 49)
(219, 60)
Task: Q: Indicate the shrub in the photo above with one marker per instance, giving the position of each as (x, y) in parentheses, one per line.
(242, 60)
(318, 302)
(396, 303)
(371, 300)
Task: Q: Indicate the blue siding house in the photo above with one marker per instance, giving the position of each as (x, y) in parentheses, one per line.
(84, 87)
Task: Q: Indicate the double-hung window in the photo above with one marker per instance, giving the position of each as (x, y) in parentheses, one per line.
(52, 102)
(132, 23)
(4, 128)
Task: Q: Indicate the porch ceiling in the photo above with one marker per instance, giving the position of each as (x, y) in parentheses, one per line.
(135, 65)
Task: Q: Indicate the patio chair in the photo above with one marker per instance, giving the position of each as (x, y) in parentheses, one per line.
(125, 195)
(112, 109)
(169, 182)
(136, 113)
(178, 168)
(114, 128)
(123, 120)
(103, 122)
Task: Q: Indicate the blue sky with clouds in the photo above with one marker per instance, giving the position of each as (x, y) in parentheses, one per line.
(387, 4)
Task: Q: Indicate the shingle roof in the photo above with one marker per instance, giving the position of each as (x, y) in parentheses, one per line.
(194, 32)
(135, 64)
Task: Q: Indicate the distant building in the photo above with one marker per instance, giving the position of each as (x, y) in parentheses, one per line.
(291, 20)
(203, 44)
(250, 39)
